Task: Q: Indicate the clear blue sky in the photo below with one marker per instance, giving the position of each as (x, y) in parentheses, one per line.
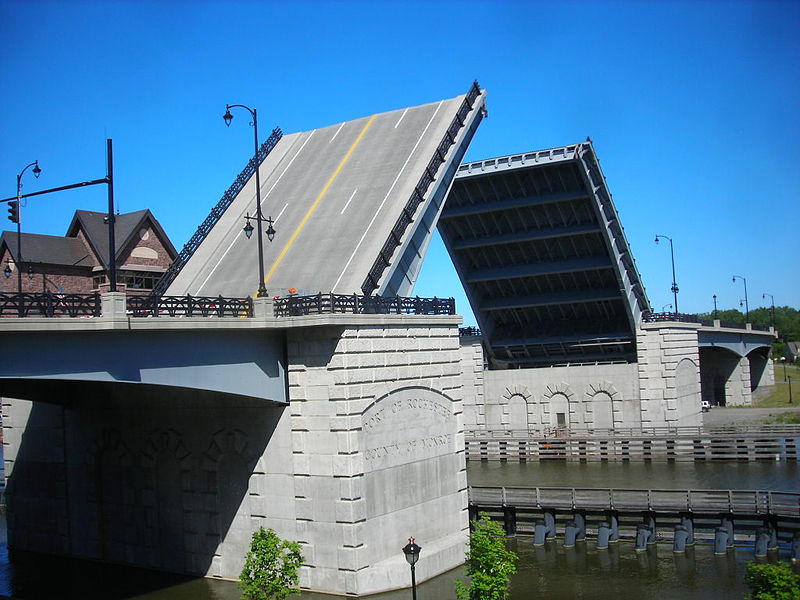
(694, 109)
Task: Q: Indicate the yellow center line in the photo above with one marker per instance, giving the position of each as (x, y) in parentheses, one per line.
(317, 201)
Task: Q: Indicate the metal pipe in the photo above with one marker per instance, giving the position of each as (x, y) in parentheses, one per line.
(112, 247)
(746, 305)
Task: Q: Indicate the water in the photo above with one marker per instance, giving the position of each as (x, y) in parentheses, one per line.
(552, 572)
(781, 476)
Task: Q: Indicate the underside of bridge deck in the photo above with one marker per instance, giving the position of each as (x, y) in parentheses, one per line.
(540, 250)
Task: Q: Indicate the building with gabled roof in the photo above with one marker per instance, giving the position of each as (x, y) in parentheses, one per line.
(78, 262)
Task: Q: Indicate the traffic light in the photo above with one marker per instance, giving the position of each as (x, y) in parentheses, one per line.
(13, 211)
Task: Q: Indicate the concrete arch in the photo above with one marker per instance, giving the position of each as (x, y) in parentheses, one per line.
(724, 377)
(761, 372)
(603, 400)
(558, 406)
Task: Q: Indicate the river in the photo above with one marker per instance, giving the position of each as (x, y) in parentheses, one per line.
(551, 572)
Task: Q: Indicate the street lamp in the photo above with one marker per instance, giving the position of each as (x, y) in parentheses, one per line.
(771, 297)
(746, 306)
(672, 256)
(715, 306)
(248, 228)
(664, 308)
(17, 218)
(411, 550)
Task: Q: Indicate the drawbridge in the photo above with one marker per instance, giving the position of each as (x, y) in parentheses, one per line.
(535, 237)
(353, 205)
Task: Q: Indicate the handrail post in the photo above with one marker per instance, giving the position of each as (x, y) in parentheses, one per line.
(220, 308)
(189, 307)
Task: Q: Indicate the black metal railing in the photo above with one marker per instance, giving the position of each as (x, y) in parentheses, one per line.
(189, 306)
(469, 331)
(417, 196)
(292, 306)
(216, 213)
(49, 305)
(679, 317)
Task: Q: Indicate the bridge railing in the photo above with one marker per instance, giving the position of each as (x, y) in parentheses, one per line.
(749, 502)
(408, 215)
(189, 306)
(49, 305)
(216, 213)
(292, 306)
(633, 432)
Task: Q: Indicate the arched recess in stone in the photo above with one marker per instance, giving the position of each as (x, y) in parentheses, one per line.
(111, 496)
(558, 408)
(603, 404)
(168, 474)
(687, 389)
(517, 401)
(227, 468)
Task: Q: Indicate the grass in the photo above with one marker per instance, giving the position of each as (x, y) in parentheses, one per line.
(777, 396)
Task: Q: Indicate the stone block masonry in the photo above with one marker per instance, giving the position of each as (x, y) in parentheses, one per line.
(378, 452)
(669, 373)
(368, 452)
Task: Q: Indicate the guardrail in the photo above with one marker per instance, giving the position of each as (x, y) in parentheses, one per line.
(469, 331)
(292, 306)
(679, 317)
(736, 502)
(634, 432)
(216, 213)
(417, 196)
(189, 306)
(49, 305)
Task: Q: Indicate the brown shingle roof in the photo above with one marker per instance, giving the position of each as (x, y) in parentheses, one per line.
(48, 249)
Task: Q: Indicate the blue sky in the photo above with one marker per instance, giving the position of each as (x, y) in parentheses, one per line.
(692, 106)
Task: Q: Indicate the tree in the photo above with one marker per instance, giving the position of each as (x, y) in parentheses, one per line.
(270, 567)
(489, 563)
(772, 581)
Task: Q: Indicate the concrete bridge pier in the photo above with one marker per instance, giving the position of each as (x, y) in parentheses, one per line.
(123, 461)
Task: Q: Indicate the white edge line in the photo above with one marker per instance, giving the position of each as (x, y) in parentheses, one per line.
(224, 254)
(280, 213)
(337, 132)
(386, 197)
(348, 201)
(401, 118)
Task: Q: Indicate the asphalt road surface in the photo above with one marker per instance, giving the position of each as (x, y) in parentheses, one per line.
(334, 194)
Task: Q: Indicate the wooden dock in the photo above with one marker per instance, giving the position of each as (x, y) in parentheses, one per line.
(747, 443)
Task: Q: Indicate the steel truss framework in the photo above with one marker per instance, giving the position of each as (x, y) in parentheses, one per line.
(540, 250)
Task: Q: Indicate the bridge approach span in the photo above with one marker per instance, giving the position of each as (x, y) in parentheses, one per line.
(354, 205)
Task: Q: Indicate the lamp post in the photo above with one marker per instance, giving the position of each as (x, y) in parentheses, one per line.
(715, 306)
(790, 402)
(783, 360)
(411, 550)
(772, 314)
(746, 306)
(672, 256)
(664, 308)
(15, 217)
(248, 228)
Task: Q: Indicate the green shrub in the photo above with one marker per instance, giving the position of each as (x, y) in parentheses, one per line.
(270, 567)
(772, 581)
(489, 563)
